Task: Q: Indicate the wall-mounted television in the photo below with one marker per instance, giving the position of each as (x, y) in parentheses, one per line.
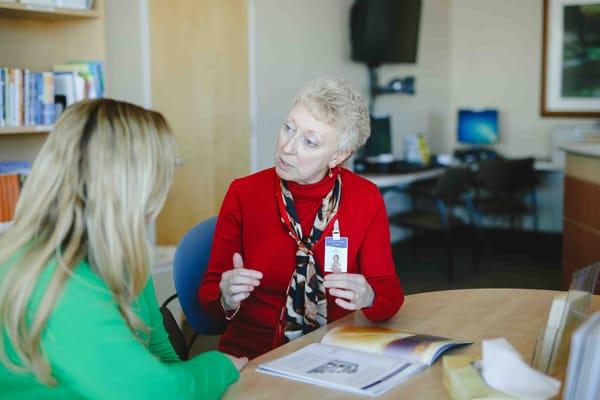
(478, 127)
(385, 31)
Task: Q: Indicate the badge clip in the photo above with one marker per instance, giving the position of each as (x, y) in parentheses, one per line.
(336, 230)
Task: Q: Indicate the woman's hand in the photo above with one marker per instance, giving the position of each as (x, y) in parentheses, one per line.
(237, 283)
(238, 362)
(353, 292)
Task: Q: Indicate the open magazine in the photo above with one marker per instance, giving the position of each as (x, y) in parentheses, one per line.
(364, 360)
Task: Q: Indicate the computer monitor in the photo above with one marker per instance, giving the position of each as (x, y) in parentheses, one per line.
(478, 127)
(380, 141)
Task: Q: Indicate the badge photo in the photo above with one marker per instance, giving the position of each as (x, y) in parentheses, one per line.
(336, 254)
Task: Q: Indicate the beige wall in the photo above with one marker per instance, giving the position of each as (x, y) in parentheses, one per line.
(495, 61)
(128, 61)
(426, 111)
(298, 41)
(294, 43)
(199, 75)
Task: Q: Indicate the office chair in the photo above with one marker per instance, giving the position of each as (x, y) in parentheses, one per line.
(190, 263)
(448, 193)
(506, 183)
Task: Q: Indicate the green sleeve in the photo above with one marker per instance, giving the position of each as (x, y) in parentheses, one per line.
(92, 351)
(159, 343)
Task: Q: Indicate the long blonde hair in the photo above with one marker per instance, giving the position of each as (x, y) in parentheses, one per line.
(102, 174)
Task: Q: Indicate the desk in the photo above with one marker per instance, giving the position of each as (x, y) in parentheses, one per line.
(402, 179)
(394, 183)
(473, 314)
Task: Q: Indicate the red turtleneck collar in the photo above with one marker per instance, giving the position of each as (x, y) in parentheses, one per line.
(313, 191)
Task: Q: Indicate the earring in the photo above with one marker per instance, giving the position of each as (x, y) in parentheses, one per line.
(330, 173)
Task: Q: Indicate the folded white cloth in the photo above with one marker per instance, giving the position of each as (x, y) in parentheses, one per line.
(505, 370)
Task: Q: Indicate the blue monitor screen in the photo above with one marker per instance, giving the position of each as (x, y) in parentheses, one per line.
(478, 127)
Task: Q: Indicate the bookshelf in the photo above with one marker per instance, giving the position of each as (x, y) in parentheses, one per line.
(32, 11)
(36, 38)
(24, 130)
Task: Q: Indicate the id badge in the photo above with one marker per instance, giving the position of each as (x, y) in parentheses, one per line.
(336, 252)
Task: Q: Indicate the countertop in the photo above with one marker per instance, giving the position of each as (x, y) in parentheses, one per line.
(583, 149)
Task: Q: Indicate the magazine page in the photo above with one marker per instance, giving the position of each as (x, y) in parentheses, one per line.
(342, 369)
(404, 345)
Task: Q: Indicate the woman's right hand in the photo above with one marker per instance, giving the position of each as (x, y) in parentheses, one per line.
(237, 283)
(238, 362)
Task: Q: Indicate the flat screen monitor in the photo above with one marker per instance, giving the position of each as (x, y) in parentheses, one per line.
(380, 141)
(385, 31)
(478, 127)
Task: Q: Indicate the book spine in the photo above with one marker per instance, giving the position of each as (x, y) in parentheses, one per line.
(13, 195)
(25, 94)
(19, 97)
(37, 99)
(32, 97)
(3, 200)
(48, 108)
(10, 93)
(2, 82)
(7, 112)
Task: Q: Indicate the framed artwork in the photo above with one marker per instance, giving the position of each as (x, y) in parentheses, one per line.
(571, 58)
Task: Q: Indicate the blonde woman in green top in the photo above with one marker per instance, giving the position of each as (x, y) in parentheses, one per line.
(78, 313)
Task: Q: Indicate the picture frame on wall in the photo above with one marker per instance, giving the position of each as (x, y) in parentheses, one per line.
(571, 59)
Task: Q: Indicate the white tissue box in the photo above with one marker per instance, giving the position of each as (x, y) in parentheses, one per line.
(464, 382)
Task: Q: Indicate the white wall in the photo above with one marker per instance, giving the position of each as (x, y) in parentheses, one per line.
(127, 56)
(426, 111)
(127, 51)
(295, 42)
(495, 61)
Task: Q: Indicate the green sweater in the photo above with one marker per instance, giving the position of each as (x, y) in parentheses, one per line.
(94, 355)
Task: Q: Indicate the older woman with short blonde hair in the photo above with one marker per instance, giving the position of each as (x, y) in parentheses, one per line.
(270, 273)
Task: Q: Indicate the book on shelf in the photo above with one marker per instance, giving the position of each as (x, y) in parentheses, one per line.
(45, 3)
(363, 360)
(29, 98)
(87, 79)
(12, 176)
(15, 167)
(74, 4)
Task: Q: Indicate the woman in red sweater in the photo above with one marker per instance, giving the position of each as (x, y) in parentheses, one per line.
(280, 231)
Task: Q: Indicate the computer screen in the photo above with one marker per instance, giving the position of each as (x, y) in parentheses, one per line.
(478, 126)
(380, 141)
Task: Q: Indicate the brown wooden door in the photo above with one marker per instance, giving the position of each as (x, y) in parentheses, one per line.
(199, 70)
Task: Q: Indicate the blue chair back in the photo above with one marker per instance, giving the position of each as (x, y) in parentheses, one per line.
(190, 263)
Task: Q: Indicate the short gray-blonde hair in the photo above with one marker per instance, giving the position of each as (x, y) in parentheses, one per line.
(334, 102)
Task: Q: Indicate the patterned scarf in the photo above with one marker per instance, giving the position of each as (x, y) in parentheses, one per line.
(306, 304)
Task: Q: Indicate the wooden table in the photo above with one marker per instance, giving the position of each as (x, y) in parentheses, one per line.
(473, 314)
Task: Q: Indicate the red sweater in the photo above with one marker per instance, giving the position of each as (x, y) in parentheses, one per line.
(249, 223)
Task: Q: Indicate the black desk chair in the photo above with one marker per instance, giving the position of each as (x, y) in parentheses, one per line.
(448, 193)
(502, 188)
